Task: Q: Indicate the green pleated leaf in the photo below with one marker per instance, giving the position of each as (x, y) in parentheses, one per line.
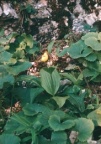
(92, 57)
(57, 125)
(90, 34)
(93, 43)
(9, 139)
(96, 116)
(77, 100)
(50, 80)
(19, 54)
(84, 127)
(5, 56)
(78, 49)
(13, 126)
(60, 100)
(2, 49)
(19, 67)
(90, 73)
(59, 137)
(28, 110)
(43, 140)
(3, 41)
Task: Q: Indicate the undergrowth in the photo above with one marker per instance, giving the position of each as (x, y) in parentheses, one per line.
(55, 103)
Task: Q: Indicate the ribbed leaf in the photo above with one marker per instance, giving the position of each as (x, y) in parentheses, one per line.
(5, 56)
(59, 137)
(90, 34)
(57, 125)
(93, 43)
(18, 68)
(84, 127)
(9, 139)
(78, 49)
(92, 57)
(50, 80)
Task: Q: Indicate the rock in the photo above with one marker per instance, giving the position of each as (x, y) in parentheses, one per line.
(8, 10)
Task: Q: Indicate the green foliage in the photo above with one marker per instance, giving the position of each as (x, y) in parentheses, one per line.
(87, 52)
(51, 110)
(9, 138)
(84, 127)
(50, 80)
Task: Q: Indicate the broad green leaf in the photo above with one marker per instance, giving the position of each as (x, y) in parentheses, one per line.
(32, 50)
(56, 124)
(6, 79)
(78, 49)
(13, 126)
(27, 95)
(19, 67)
(28, 110)
(5, 56)
(34, 93)
(93, 43)
(2, 49)
(39, 108)
(96, 116)
(90, 73)
(19, 54)
(50, 46)
(90, 34)
(59, 137)
(21, 119)
(92, 57)
(9, 139)
(84, 127)
(12, 61)
(60, 100)
(50, 80)
(3, 41)
(78, 101)
(43, 140)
